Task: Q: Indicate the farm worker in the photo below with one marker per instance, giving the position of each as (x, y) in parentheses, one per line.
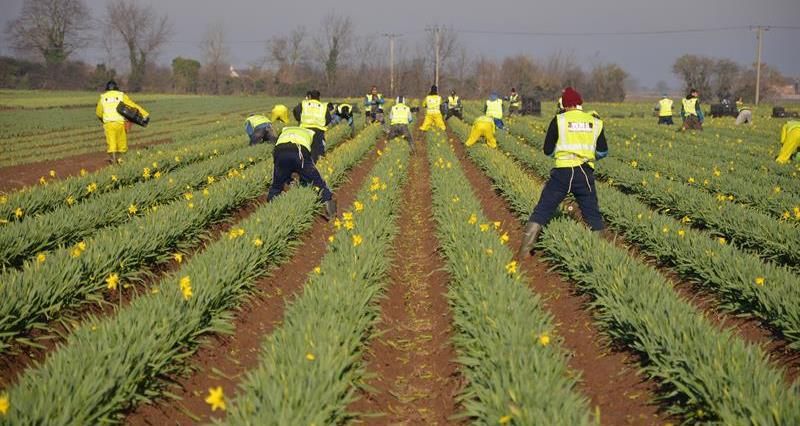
(114, 124)
(744, 115)
(494, 109)
(259, 129)
(399, 118)
(454, 106)
(315, 115)
(280, 112)
(343, 112)
(292, 154)
(790, 141)
(514, 102)
(575, 139)
(483, 126)
(433, 110)
(691, 113)
(373, 104)
(664, 108)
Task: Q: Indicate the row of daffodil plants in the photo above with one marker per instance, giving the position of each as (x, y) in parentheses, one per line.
(52, 192)
(111, 364)
(744, 226)
(515, 367)
(742, 185)
(65, 278)
(69, 224)
(708, 374)
(310, 365)
(741, 280)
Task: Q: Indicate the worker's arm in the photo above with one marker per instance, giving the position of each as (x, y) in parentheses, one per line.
(551, 138)
(99, 110)
(328, 117)
(380, 101)
(601, 149)
(296, 112)
(683, 112)
(485, 107)
(249, 128)
(699, 111)
(130, 102)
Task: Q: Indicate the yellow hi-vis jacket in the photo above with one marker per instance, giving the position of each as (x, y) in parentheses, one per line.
(665, 108)
(256, 120)
(432, 104)
(514, 100)
(312, 115)
(494, 108)
(577, 138)
(689, 106)
(740, 106)
(400, 114)
(296, 135)
(452, 102)
(788, 128)
(107, 106)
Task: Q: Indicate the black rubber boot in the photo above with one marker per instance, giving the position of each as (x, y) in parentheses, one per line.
(532, 230)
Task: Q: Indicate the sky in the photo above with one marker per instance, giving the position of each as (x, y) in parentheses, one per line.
(648, 58)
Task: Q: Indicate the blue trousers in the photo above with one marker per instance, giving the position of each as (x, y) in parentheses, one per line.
(578, 181)
(292, 158)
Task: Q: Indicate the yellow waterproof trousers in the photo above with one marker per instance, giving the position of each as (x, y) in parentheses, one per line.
(116, 137)
(790, 146)
(485, 130)
(432, 119)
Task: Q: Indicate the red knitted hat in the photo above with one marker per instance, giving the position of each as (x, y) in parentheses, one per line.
(570, 98)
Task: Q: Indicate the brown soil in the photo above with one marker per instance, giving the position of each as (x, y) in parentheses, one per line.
(223, 360)
(19, 358)
(15, 177)
(608, 377)
(415, 378)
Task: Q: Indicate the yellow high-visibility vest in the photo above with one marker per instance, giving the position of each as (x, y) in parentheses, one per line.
(110, 100)
(432, 104)
(577, 138)
(296, 135)
(494, 108)
(400, 114)
(341, 108)
(368, 97)
(312, 115)
(256, 120)
(789, 127)
(690, 106)
(514, 100)
(740, 106)
(452, 102)
(665, 108)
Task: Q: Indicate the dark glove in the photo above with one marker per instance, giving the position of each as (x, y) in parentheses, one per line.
(146, 121)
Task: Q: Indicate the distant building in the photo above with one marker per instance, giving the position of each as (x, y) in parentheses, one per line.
(234, 74)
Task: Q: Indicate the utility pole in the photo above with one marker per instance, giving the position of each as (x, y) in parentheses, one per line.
(436, 30)
(759, 37)
(391, 37)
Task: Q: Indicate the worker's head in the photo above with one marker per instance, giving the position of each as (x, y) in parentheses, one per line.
(313, 94)
(400, 99)
(693, 92)
(513, 90)
(434, 90)
(570, 98)
(112, 85)
(493, 96)
(453, 92)
(374, 90)
(664, 95)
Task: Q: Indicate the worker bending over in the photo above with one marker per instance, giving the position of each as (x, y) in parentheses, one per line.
(433, 110)
(453, 106)
(314, 115)
(399, 118)
(279, 112)
(292, 154)
(664, 108)
(744, 115)
(575, 139)
(114, 124)
(691, 113)
(482, 127)
(790, 141)
(494, 109)
(514, 103)
(343, 112)
(259, 129)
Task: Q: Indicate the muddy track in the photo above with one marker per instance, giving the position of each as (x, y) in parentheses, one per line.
(608, 376)
(411, 364)
(223, 360)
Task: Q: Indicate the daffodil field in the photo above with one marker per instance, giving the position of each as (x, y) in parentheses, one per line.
(117, 282)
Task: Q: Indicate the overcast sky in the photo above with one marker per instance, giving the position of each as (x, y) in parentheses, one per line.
(648, 58)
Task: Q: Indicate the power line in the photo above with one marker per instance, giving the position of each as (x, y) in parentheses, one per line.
(622, 33)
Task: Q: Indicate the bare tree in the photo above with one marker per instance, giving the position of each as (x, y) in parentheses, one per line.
(287, 52)
(141, 31)
(695, 71)
(448, 47)
(215, 51)
(332, 45)
(725, 74)
(52, 28)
